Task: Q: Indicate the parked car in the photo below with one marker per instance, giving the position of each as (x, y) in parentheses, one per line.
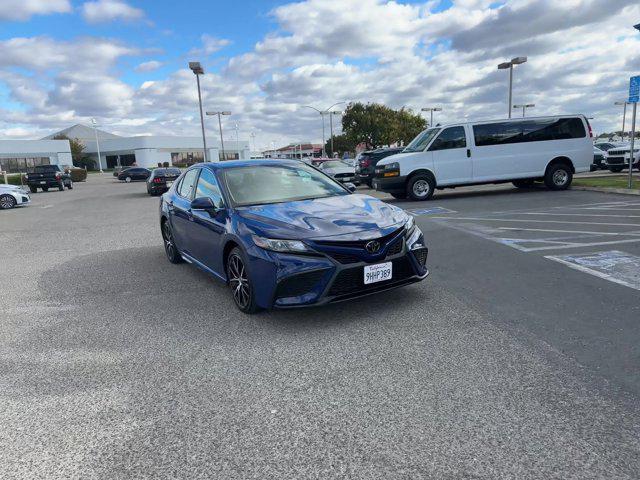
(281, 234)
(339, 170)
(618, 158)
(13, 196)
(599, 160)
(48, 176)
(118, 170)
(368, 160)
(133, 174)
(606, 146)
(521, 151)
(161, 179)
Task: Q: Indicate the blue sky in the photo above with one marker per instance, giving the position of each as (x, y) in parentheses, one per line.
(63, 64)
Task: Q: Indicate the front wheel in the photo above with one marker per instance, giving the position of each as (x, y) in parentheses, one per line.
(558, 176)
(7, 202)
(421, 187)
(127, 179)
(240, 283)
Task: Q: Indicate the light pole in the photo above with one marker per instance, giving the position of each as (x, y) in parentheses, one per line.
(237, 142)
(524, 107)
(253, 141)
(322, 114)
(220, 126)
(431, 110)
(509, 65)
(624, 115)
(95, 131)
(197, 70)
(331, 114)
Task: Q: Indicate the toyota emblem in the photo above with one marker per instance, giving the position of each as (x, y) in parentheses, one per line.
(373, 246)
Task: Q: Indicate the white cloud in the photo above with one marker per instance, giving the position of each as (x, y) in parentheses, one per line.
(149, 66)
(210, 45)
(24, 9)
(101, 11)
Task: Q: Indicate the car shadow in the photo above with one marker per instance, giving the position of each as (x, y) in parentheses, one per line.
(450, 194)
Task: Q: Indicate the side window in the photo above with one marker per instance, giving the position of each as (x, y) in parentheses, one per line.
(497, 133)
(208, 187)
(453, 137)
(185, 189)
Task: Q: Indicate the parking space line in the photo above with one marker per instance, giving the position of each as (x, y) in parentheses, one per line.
(568, 231)
(536, 221)
(578, 245)
(577, 214)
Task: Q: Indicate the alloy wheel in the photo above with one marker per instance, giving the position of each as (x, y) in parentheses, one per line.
(7, 202)
(239, 282)
(169, 246)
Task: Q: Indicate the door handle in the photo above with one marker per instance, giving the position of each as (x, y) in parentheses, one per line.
(468, 153)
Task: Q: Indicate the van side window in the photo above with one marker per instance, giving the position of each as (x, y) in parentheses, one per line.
(453, 137)
(538, 130)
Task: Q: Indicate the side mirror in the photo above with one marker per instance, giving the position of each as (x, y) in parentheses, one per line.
(350, 186)
(204, 203)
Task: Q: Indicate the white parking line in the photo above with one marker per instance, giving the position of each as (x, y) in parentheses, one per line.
(568, 231)
(578, 214)
(535, 221)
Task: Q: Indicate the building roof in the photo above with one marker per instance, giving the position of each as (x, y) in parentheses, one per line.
(82, 132)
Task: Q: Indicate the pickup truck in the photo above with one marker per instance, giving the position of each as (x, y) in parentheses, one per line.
(45, 176)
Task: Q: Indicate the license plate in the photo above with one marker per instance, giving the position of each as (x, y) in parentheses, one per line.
(43, 182)
(377, 273)
(169, 184)
(347, 179)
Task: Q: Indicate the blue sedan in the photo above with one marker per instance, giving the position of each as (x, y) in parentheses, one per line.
(283, 234)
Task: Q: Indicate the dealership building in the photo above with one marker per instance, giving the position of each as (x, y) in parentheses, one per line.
(144, 151)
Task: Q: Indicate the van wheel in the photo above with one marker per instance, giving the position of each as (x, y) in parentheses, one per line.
(524, 183)
(558, 176)
(421, 187)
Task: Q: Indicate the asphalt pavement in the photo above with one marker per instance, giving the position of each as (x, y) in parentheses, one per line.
(507, 362)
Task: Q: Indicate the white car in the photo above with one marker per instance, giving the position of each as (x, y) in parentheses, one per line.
(12, 196)
(521, 151)
(618, 158)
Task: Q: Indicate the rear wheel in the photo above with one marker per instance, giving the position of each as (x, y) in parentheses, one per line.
(33, 189)
(169, 244)
(45, 189)
(421, 187)
(558, 176)
(523, 183)
(61, 186)
(70, 185)
(240, 283)
(7, 202)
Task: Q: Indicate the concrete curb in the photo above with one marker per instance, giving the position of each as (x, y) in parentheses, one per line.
(622, 191)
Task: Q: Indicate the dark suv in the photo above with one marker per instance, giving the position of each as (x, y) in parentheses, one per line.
(368, 161)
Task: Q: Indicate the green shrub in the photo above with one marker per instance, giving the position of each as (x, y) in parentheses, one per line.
(78, 174)
(13, 179)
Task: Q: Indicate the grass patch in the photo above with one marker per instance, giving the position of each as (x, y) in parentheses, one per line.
(619, 181)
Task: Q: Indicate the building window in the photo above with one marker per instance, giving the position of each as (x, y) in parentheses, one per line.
(22, 164)
(185, 159)
(228, 155)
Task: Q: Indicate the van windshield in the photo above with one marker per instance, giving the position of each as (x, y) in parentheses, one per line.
(419, 143)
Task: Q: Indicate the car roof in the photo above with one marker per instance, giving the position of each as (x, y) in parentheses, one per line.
(249, 163)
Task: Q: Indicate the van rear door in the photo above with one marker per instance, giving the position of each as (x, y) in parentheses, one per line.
(451, 157)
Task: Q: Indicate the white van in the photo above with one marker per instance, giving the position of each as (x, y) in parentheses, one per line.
(521, 151)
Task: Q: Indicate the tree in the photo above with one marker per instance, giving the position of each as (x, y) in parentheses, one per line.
(341, 144)
(376, 125)
(77, 149)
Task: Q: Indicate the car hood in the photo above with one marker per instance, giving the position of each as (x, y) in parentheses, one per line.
(334, 171)
(350, 217)
(12, 188)
(398, 157)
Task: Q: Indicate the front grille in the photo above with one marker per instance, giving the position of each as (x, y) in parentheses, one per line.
(421, 255)
(395, 248)
(344, 175)
(616, 160)
(344, 257)
(299, 284)
(351, 280)
(359, 243)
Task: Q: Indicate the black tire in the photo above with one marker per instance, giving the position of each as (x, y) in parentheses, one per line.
(369, 183)
(7, 202)
(523, 183)
(170, 248)
(240, 282)
(421, 187)
(70, 185)
(615, 169)
(127, 179)
(33, 189)
(61, 187)
(558, 176)
(399, 196)
(45, 189)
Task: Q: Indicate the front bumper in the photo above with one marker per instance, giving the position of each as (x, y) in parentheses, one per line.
(390, 184)
(301, 280)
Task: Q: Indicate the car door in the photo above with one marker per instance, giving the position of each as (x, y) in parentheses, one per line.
(451, 156)
(180, 211)
(207, 228)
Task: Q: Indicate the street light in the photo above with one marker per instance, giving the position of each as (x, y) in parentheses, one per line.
(509, 65)
(624, 114)
(331, 114)
(95, 124)
(197, 70)
(431, 110)
(524, 107)
(220, 125)
(322, 114)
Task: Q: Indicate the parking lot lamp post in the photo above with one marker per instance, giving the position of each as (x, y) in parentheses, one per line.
(322, 114)
(624, 116)
(197, 70)
(524, 107)
(220, 126)
(331, 114)
(431, 110)
(237, 142)
(95, 131)
(509, 65)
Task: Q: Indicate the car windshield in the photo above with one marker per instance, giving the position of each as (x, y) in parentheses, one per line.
(334, 164)
(257, 185)
(419, 143)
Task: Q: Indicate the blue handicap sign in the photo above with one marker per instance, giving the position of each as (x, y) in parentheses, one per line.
(634, 89)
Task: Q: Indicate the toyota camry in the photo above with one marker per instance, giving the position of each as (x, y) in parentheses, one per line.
(283, 234)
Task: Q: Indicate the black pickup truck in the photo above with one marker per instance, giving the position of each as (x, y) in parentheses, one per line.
(45, 176)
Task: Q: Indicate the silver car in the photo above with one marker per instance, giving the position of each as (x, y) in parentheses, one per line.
(339, 170)
(12, 196)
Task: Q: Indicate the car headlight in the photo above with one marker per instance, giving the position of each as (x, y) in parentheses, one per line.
(277, 245)
(392, 166)
(410, 223)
